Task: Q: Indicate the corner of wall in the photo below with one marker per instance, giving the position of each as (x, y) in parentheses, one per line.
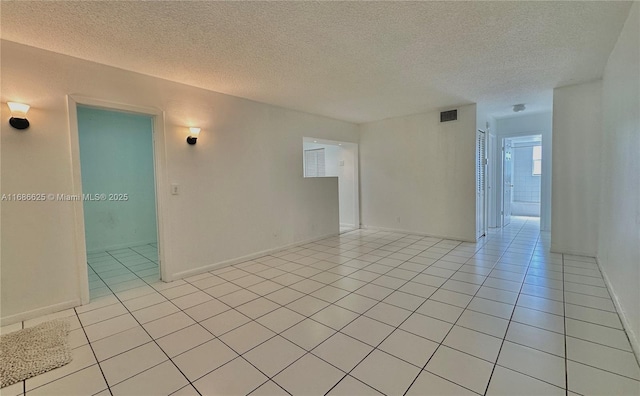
(634, 339)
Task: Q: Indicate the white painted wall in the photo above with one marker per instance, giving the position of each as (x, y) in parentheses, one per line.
(524, 125)
(332, 160)
(242, 189)
(619, 221)
(418, 175)
(577, 129)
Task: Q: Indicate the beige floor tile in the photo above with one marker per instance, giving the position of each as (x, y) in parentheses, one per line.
(588, 380)
(183, 340)
(274, 355)
(120, 342)
(132, 362)
(88, 381)
(309, 375)
(505, 382)
(197, 362)
(463, 369)
(342, 351)
(163, 379)
(532, 362)
(350, 386)
(234, 378)
(474, 343)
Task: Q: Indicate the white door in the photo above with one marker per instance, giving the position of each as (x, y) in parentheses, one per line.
(507, 188)
(481, 185)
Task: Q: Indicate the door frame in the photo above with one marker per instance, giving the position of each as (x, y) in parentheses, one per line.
(545, 182)
(161, 181)
(502, 191)
(491, 180)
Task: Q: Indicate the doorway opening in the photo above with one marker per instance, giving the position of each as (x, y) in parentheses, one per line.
(119, 205)
(328, 158)
(521, 177)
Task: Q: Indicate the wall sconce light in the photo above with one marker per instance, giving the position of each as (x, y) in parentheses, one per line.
(18, 118)
(193, 135)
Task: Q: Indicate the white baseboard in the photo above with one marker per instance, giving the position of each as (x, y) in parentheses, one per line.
(626, 324)
(35, 313)
(403, 231)
(226, 263)
(121, 246)
(561, 250)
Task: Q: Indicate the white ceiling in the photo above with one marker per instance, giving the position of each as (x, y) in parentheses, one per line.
(355, 61)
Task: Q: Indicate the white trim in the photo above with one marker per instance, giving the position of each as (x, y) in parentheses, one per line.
(161, 181)
(559, 250)
(626, 323)
(226, 263)
(78, 209)
(403, 231)
(36, 313)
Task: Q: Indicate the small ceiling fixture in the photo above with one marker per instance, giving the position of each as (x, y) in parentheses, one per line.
(518, 107)
(18, 118)
(193, 135)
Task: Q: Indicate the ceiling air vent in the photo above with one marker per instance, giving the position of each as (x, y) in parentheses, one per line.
(450, 115)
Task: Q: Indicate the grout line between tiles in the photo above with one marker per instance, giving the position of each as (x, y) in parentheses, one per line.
(152, 340)
(363, 245)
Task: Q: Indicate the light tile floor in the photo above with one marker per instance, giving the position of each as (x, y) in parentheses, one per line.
(122, 269)
(363, 313)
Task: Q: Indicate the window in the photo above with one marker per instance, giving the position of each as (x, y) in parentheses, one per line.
(537, 161)
(314, 163)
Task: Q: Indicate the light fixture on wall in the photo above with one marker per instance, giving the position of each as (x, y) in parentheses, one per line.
(518, 107)
(193, 135)
(18, 118)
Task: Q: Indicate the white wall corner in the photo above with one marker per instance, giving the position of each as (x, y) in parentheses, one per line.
(564, 250)
(634, 339)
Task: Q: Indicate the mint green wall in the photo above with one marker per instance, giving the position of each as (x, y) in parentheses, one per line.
(116, 156)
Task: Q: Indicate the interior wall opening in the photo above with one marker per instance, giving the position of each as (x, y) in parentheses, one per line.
(327, 158)
(521, 176)
(119, 199)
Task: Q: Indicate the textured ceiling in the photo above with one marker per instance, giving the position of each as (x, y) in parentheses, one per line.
(355, 61)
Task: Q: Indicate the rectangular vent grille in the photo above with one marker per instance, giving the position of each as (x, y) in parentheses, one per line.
(450, 115)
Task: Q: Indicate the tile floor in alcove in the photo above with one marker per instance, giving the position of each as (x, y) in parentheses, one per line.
(122, 269)
(363, 313)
